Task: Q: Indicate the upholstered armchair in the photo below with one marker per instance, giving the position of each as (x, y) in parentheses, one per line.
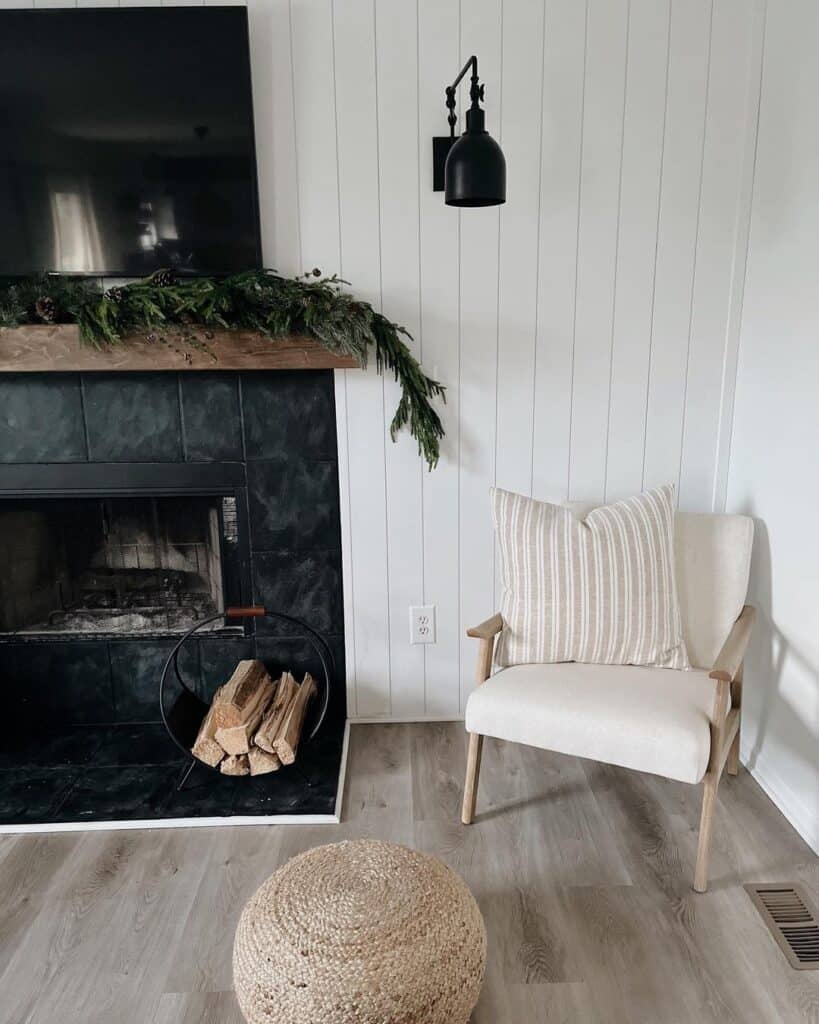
(683, 725)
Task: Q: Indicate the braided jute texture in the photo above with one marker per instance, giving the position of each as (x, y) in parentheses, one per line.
(360, 933)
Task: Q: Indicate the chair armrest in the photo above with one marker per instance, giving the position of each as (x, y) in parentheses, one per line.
(486, 630)
(729, 659)
(486, 633)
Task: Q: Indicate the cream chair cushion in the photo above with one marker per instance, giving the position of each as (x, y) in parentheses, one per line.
(645, 718)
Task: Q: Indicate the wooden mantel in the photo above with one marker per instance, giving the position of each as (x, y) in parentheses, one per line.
(43, 349)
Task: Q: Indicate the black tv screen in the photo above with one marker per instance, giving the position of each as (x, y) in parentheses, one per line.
(126, 141)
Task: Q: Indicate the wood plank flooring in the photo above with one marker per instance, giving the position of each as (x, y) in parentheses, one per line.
(583, 873)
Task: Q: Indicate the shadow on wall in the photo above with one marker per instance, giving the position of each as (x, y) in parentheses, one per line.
(769, 709)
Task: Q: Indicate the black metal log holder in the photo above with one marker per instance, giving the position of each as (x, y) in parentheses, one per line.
(185, 715)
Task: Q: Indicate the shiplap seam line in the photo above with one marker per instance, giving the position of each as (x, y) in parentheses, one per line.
(420, 323)
(302, 267)
(577, 254)
(696, 248)
(657, 243)
(351, 638)
(616, 255)
(493, 568)
(537, 271)
(739, 269)
(460, 403)
(382, 379)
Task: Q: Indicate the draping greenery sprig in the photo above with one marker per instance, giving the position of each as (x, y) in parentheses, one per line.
(261, 300)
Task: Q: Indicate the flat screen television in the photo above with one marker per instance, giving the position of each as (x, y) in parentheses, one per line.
(126, 142)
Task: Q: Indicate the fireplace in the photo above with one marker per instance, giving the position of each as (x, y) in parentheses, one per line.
(211, 491)
(115, 566)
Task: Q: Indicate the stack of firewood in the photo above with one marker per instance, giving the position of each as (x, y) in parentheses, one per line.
(254, 725)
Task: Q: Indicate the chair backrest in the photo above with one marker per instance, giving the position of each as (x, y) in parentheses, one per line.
(713, 561)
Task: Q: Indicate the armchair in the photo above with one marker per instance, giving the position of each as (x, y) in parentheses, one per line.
(682, 725)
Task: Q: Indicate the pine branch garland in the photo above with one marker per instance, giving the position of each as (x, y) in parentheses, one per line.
(256, 300)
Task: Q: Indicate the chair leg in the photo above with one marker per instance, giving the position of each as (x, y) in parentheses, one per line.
(709, 800)
(473, 768)
(732, 763)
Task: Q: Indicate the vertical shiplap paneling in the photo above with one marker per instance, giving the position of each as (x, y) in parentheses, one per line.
(518, 252)
(741, 246)
(347, 100)
(314, 107)
(637, 240)
(396, 27)
(607, 27)
(271, 67)
(719, 216)
(481, 34)
(355, 90)
(521, 132)
(563, 79)
(314, 111)
(677, 237)
(438, 48)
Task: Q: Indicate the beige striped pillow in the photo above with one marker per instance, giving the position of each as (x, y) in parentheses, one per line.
(599, 590)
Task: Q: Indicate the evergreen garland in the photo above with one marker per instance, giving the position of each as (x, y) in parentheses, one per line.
(257, 300)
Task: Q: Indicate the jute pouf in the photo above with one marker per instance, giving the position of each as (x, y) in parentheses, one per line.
(360, 933)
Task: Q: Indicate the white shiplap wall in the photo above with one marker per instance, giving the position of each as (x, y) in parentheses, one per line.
(774, 474)
(587, 331)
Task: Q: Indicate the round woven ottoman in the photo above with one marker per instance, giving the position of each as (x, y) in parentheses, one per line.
(360, 933)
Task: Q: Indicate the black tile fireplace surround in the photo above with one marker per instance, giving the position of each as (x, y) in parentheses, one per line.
(87, 744)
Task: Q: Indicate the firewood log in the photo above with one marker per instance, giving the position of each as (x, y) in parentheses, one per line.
(261, 762)
(236, 764)
(277, 712)
(287, 741)
(206, 748)
(239, 698)
(239, 738)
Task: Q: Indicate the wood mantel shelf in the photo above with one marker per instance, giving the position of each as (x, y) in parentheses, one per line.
(58, 349)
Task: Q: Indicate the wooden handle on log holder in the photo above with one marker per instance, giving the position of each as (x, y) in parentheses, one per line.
(250, 612)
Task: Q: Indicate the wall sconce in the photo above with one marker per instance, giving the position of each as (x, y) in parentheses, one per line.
(471, 170)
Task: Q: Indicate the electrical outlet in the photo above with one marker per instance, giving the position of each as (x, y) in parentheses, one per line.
(422, 624)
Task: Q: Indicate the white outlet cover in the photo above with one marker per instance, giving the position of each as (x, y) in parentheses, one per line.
(422, 623)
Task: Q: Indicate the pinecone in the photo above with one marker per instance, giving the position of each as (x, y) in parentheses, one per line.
(46, 309)
(162, 278)
(114, 294)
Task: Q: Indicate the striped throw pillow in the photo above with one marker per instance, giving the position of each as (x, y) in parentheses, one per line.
(599, 590)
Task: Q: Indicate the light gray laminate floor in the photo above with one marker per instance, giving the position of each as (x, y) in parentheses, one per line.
(582, 873)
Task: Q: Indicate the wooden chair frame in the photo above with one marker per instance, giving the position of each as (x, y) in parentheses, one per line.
(725, 722)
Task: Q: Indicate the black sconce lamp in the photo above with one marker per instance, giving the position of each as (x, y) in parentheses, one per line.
(471, 170)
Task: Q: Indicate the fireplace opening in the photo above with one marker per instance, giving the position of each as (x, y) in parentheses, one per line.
(114, 565)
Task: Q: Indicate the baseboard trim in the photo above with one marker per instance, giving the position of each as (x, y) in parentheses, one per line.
(342, 773)
(404, 719)
(792, 807)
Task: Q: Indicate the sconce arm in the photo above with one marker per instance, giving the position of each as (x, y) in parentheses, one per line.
(475, 92)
